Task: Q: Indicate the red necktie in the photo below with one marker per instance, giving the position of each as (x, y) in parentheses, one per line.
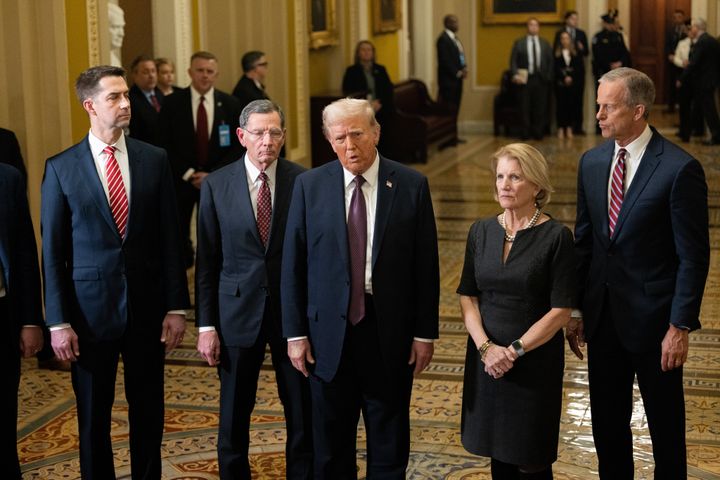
(616, 190)
(264, 209)
(201, 134)
(116, 190)
(155, 103)
(357, 241)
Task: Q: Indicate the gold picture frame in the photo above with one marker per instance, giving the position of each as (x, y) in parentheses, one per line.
(518, 11)
(387, 15)
(322, 23)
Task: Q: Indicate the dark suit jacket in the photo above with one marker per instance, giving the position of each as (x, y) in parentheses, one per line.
(246, 91)
(703, 70)
(580, 39)
(519, 58)
(18, 253)
(144, 120)
(449, 63)
(652, 272)
(575, 71)
(177, 132)
(94, 279)
(10, 152)
(354, 81)
(315, 279)
(234, 272)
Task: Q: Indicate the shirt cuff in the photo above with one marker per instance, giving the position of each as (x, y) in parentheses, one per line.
(295, 339)
(576, 313)
(178, 312)
(188, 173)
(423, 340)
(36, 326)
(206, 329)
(59, 326)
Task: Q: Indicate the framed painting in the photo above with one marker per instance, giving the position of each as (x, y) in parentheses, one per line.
(322, 23)
(387, 15)
(518, 11)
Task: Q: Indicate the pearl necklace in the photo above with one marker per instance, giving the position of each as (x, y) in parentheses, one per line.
(531, 223)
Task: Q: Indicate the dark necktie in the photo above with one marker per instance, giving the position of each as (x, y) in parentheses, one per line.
(264, 208)
(536, 47)
(116, 191)
(155, 103)
(617, 191)
(357, 239)
(201, 134)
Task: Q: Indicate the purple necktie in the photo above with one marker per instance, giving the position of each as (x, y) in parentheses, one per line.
(357, 238)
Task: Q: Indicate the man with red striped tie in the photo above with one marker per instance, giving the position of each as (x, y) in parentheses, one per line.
(115, 281)
(643, 248)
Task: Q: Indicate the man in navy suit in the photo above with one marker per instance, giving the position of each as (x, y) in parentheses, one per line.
(20, 311)
(641, 235)
(241, 226)
(196, 129)
(114, 278)
(146, 100)
(360, 293)
(452, 64)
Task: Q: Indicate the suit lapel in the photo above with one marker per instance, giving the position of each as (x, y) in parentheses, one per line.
(598, 175)
(337, 209)
(4, 241)
(386, 189)
(282, 197)
(87, 170)
(136, 183)
(648, 164)
(241, 193)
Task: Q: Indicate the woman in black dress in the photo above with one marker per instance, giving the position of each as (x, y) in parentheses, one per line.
(369, 79)
(568, 88)
(516, 293)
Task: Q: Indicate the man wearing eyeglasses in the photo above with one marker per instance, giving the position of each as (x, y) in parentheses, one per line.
(241, 226)
(250, 86)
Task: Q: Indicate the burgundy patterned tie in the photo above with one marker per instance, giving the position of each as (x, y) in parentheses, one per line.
(155, 103)
(264, 208)
(357, 240)
(201, 134)
(616, 190)
(116, 191)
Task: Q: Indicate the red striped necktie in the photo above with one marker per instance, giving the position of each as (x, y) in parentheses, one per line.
(617, 192)
(116, 191)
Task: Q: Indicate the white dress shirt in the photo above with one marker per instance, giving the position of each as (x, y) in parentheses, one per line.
(633, 157)
(209, 106)
(533, 63)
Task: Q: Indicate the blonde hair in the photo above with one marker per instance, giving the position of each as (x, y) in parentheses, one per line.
(346, 108)
(533, 165)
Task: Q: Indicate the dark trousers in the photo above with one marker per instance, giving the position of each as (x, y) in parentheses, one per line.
(10, 361)
(239, 369)
(361, 384)
(612, 371)
(705, 99)
(533, 101)
(451, 93)
(93, 379)
(187, 198)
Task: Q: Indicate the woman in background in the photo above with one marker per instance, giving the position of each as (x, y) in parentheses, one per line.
(166, 76)
(568, 91)
(370, 80)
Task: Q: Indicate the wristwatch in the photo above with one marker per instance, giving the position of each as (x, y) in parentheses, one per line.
(518, 346)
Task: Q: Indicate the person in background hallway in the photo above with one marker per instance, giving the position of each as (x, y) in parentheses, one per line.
(514, 309)
(690, 117)
(196, 129)
(146, 99)
(114, 278)
(20, 307)
(250, 86)
(568, 87)
(703, 75)
(166, 76)
(241, 227)
(608, 49)
(371, 80)
(643, 252)
(674, 34)
(580, 42)
(452, 64)
(532, 67)
(360, 293)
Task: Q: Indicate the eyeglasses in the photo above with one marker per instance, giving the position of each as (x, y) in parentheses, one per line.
(261, 64)
(274, 133)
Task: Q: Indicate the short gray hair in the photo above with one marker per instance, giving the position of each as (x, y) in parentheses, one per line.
(260, 106)
(346, 108)
(700, 23)
(639, 88)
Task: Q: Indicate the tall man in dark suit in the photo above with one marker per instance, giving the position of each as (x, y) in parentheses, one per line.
(641, 236)
(580, 41)
(114, 279)
(452, 64)
(20, 312)
(703, 74)
(241, 227)
(196, 129)
(146, 99)
(532, 65)
(360, 292)
(250, 86)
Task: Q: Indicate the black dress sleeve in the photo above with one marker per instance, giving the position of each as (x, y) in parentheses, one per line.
(468, 285)
(563, 271)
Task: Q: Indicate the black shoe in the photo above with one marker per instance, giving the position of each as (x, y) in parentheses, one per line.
(711, 142)
(684, 139)
(460, 140)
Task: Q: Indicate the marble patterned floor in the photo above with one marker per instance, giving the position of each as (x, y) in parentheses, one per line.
(461, 188)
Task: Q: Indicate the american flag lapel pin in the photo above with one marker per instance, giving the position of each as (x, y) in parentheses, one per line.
(388, 183)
